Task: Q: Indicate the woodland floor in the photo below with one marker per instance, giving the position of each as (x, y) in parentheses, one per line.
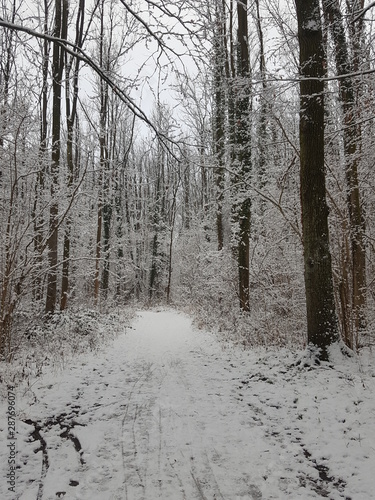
(166, 411)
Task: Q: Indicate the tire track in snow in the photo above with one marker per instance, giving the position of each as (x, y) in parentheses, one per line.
(151, 411)
(161, 415)
(203, 475)
(129, 450)
(175, 409)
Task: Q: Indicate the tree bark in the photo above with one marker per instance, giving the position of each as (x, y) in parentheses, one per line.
(61, 12)
(243, 157)
(219, 119)
(37, 213)
(71, 112)
(157, 225)
(103, 161)
(322, 328)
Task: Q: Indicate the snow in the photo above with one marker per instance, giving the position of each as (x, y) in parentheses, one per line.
(168, 411)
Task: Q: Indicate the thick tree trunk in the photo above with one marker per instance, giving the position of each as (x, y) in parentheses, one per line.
(321, 316)
(243, 157)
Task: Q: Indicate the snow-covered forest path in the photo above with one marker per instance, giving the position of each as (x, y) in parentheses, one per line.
(183, 436)
(165, 412)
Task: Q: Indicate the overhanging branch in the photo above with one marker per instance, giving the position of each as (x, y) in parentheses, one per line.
(80, 54)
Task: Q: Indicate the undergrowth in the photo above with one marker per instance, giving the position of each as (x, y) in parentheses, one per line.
(56, 340)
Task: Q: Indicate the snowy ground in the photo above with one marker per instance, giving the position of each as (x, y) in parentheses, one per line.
(165, 412)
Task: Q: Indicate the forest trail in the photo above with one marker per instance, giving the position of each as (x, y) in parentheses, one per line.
(167, 412)
(181, 437)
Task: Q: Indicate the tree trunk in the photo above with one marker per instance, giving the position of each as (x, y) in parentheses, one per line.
(71, 112)
(321, 316)
(263, 113)
(107, 218)
(352, 141)
(98, 244)
(219, 123)
(103, 161)
(156, 226)
(243, 157)
(186, 215)
(61, 13)
(37, 213)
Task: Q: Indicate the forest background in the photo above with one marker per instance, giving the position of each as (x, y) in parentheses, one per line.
(158, 152)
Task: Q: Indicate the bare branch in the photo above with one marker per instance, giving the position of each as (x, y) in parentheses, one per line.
(80, 54)
(363, 12)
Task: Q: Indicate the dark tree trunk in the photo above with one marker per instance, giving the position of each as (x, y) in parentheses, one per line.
(321, 315)
(219, 123)
(107, 218)
(61, 14)
(156, 227)
(186, 216)
(71, 111)
(103, 161)
(243, 157)
(37, 213)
